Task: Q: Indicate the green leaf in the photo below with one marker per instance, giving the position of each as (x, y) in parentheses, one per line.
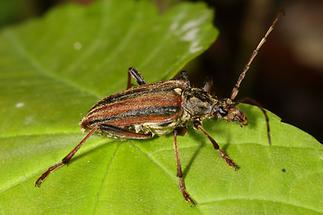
(54, 68)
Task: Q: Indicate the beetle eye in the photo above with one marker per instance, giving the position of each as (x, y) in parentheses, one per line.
(222, 111)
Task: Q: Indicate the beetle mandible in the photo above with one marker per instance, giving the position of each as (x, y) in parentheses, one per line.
(147, 110)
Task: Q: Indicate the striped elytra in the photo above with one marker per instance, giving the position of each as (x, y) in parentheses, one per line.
(141, 110)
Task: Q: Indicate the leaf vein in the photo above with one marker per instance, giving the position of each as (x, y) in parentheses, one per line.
(106, 172)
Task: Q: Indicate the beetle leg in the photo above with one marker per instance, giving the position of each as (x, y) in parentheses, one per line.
(181, 131)
(209, 87)
(123, 133)
(180, 176)
(254, 102)
(65, 160)
(182, 75)
(132, 72)
(216, 146)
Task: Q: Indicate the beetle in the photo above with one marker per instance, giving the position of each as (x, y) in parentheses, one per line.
(149, 110)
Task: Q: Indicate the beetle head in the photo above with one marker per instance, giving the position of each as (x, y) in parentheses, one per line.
(227, 110)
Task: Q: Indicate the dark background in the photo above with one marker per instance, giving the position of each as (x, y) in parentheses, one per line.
(287, 75)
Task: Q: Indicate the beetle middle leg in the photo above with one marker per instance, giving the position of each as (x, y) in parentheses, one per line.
(180, 176)
(132, 72)
(123, 133)
(228, 160)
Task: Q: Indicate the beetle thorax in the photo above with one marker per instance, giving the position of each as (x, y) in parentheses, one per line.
(198, 103)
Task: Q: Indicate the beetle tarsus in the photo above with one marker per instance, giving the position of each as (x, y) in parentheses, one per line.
(41, 179)
(182, 187)
(228, 160)
(188, 198)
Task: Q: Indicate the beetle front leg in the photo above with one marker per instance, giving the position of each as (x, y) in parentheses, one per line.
(228, 160)
(180, 176)
(132, 72)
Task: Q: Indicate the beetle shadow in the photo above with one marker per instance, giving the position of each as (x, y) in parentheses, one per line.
(225, 146)
(76, 158)
(192, 133)
(196, 137)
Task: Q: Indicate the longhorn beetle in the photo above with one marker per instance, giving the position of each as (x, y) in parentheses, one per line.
(146, 110)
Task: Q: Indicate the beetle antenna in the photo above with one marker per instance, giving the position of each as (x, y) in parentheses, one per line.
(236, 87)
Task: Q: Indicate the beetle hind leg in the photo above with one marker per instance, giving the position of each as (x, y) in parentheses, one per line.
(65, 160)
